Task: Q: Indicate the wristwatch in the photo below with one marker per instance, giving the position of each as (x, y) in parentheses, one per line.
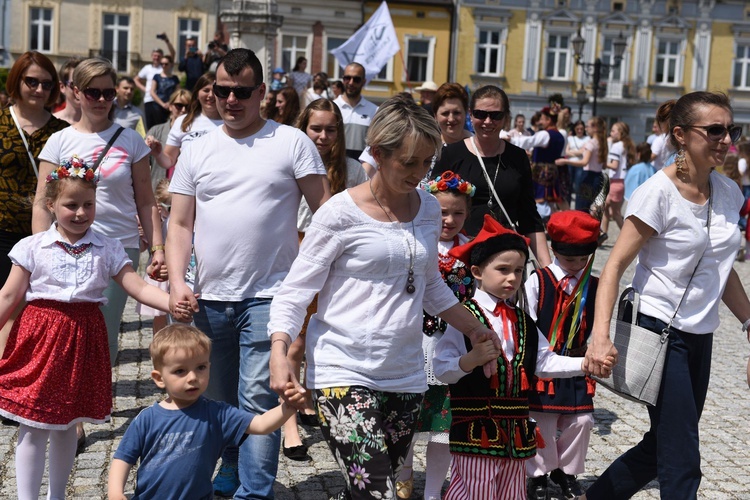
(156, 248)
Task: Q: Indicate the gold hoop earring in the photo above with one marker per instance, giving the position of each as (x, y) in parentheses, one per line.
(680, 161)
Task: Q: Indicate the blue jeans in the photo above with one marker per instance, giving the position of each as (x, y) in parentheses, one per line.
(240, 376)
(669, 451)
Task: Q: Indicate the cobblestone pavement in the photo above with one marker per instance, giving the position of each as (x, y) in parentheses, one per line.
(619, 425)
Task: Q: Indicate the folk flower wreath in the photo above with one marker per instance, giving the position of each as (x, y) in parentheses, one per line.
(74, 167)
(449, 181)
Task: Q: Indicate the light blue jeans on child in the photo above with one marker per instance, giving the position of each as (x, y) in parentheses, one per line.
(240, 376)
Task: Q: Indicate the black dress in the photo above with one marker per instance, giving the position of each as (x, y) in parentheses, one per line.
(511, 173)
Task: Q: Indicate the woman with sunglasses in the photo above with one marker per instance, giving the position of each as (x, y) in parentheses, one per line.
(682, 219)
(163, 85)
(202, 117)
(124, 193)
(32, 85)
(486, 156)
(178, 104)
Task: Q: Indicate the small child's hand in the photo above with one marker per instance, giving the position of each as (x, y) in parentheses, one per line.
(157, 272)
(481, 353)
(183, 312)
(294, 396)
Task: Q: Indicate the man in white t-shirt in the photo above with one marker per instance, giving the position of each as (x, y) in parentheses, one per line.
(238, 188)
(146, 76)
(355, 109)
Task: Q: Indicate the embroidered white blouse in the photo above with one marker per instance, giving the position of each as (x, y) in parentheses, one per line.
(57, 275)
(368, 329)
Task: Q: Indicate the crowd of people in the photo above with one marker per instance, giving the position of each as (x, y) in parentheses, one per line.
(384, 248)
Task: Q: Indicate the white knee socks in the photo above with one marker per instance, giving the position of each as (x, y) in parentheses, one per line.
(438, 458)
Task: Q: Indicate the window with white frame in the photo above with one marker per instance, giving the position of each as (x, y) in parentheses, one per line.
(490, 55)
(386, 74)
(116, 40)
(292, 48)
(187, 28)
(332, 65)
(741, 72)
(668, 64)
(419, 58)
(40, 29)
(608, 57)
(558, 57)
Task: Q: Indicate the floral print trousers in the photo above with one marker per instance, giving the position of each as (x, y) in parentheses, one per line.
(369, 433)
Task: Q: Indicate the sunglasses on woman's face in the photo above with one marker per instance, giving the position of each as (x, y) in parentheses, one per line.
(481, 114)
(222, 91)
(33, 83)
(180, 106)
(718, 132)
(93, 94)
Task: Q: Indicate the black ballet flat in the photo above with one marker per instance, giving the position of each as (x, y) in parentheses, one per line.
(297, 453)
(309, 419)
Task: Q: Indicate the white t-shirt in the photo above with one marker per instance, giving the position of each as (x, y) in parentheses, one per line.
(201, 125)
(147, 73)
(116, 210)
(576, 143)
(355, 175)
(668, 258)
(368, 329)
(57, 275)
(246, 201)
(662, 151)
(617, 153)
(594, 164)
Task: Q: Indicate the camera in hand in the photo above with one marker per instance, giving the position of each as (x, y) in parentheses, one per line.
(211, 45)
(162, 36)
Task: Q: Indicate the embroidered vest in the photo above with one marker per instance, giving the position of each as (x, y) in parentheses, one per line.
(490, 417)
(564, 395)
(461, 283)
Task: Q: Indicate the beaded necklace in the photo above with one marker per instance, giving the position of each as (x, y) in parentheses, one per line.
(75, 251)
(446, 261)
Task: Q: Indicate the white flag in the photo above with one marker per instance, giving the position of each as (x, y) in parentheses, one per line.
(372, 45)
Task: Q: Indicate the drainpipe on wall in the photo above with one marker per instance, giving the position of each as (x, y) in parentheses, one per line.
(4, 42)
(454, 40)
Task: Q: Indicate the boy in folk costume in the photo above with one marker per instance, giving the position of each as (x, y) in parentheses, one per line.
(561, 302)
(491, 434)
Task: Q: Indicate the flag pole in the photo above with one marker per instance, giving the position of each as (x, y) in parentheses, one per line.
(405, 70)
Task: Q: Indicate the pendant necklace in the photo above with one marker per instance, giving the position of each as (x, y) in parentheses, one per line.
(410, 278)
(490, 203)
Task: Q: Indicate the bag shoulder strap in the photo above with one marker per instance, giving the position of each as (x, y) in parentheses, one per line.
(106, 148)
(25, 143)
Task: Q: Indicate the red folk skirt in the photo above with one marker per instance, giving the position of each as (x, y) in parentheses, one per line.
(55, 370)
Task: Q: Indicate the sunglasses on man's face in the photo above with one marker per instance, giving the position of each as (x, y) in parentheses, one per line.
(93, 94)
(33, 83)
(718, 132)
(481, 114)
(222, 91)
(355, 79)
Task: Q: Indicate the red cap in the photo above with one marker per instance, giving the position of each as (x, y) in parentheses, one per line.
(573, 232)
(502, 239)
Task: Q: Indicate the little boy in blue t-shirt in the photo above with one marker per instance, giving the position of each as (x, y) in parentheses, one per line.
(179, 440)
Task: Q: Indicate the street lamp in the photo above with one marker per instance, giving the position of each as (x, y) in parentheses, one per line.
(597, 69)
(581, 99)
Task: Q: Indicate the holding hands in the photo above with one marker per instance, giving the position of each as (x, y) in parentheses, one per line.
(482, 353)
(601, 356)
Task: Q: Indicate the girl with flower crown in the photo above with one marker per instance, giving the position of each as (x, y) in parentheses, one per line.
(55, 370)
(434, 421)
